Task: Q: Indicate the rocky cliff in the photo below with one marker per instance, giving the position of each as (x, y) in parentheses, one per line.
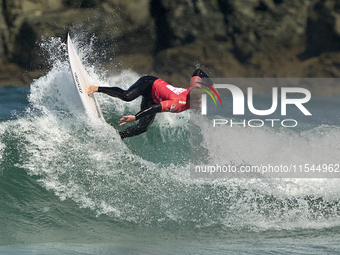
(168, 38)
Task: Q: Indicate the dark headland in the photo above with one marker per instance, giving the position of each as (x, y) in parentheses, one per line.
(168, 38)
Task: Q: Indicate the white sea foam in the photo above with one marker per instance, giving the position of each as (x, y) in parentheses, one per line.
(2, 144)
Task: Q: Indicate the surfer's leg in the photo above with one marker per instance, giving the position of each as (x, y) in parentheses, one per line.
(141, 87)
(143, 123)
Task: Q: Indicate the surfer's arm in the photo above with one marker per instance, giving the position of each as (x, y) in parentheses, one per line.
(153, 109)
(127, 119)
(164, 106)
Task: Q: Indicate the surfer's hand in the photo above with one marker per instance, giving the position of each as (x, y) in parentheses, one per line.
(127, 119)
(91, 89)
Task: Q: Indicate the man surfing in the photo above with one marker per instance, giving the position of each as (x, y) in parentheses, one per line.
(157, 96)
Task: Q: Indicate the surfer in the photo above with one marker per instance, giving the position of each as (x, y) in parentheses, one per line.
(157, 96)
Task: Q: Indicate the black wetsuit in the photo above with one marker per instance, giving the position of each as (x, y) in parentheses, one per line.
(149, 109)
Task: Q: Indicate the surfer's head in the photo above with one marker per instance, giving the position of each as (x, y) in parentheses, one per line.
(195, 81)
(194, 98)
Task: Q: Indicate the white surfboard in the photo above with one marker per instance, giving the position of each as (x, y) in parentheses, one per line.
(81, 81)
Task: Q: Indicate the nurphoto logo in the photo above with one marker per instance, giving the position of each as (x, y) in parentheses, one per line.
(239, 105)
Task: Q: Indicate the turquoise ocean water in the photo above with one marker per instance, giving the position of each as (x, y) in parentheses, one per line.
(70, 185)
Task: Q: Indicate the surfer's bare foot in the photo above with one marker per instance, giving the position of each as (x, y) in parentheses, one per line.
(91, 89)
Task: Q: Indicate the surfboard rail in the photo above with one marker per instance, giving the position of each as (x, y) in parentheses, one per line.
(81, 81)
